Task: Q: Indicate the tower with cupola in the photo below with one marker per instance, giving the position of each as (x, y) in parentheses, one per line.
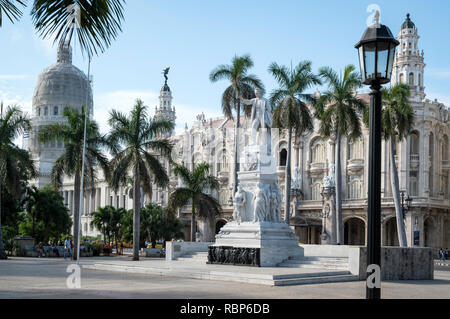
(165, 110)
(409, 63)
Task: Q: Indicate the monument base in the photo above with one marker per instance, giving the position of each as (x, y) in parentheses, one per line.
(261, 244)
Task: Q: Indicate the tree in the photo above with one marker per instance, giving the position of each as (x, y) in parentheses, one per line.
(398, 120)
(69, 164)
(291, 111)
(11, 9)
(198, 185)
(95, 23)
(155, 224)
(137, 141)
(339, 110)
(48, 214)
(108, 220)
(16, 165)
(101, 220)
(241, 84)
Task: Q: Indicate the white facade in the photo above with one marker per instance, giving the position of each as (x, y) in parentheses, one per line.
(423, 161)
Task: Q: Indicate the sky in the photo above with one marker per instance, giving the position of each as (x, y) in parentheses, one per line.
(193, 37)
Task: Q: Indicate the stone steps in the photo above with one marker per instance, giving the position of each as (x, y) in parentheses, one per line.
(194, 257)
(316, 280)
(327, 263)
(233, 275)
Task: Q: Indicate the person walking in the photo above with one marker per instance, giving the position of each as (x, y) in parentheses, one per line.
(67, 248)
(441, 254)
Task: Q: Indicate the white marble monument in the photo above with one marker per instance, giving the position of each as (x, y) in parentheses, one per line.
(257, 235)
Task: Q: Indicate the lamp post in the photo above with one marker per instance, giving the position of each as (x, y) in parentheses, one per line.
(408, 201)
(376, 57)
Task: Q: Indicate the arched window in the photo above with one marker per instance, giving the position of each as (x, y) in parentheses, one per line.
(55, 111)
(38, 111)
(411, 79)
(402, 78)
(419, 83)
(316, 188)
(355, 149)
(355, 187)
(317, 151)
(414, 183)
(414, 143)
(222, 161)
(283, 157)
(46, 111)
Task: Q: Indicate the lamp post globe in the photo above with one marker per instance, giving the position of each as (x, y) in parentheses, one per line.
(376, 51)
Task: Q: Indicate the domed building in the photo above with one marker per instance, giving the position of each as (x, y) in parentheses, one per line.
(61, 84)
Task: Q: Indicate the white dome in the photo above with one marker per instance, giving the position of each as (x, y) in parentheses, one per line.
(60, 85)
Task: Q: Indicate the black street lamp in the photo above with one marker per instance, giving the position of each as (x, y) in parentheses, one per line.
(376, 57)
(408, 201)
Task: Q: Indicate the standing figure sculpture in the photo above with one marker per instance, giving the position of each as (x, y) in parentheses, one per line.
(276, 203)
(239, 205)
(166, 72)
(261, 120)
(261, 204)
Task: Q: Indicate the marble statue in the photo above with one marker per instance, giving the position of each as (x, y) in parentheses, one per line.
(330, 180)
(239, 205)
(261, 119)
(275, 198)
(296, 180)
(261, 207)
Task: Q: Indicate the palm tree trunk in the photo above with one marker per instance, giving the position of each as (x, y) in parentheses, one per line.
(236, 145)
(396, 194)
(76, 214)
(338, 173)
(3, 254)
(287, 185)
(193, 222)
(136, 215)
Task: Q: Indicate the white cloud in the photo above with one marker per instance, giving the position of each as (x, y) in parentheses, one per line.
(14, 77)
(123, 100)
(15, 99)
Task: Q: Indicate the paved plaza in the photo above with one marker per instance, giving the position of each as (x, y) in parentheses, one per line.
(46, 278)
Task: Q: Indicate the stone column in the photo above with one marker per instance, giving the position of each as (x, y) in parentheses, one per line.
(425, 158)
(422, 163)
(403, 161)
(70, 200)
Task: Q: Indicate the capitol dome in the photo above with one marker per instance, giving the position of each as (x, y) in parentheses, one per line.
(60, 85)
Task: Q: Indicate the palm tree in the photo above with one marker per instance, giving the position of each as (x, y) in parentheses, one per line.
(137, 142)
(11, 10)
(95, 23)
(291, 111)
(398, 120)
(241, 84)
(16, 165)
(101, 220)
(339, 110)
(198, 184)
(70, 162)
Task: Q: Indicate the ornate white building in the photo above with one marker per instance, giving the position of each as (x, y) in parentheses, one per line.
(423, 162)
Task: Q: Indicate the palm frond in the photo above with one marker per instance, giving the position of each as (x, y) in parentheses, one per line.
(95, 23)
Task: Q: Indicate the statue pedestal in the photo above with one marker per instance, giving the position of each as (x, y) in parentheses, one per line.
(262, 244)
(257, 236)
